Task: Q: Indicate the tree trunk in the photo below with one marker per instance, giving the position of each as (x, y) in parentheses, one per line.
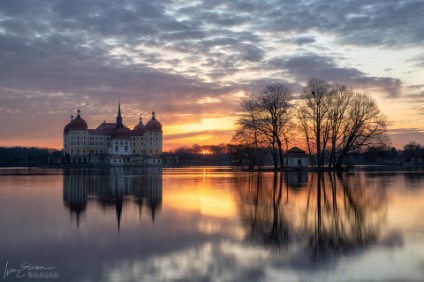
(280, 152)
(340, 159)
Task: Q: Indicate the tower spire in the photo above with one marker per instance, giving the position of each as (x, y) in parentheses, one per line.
(119, 117)
(119, 106)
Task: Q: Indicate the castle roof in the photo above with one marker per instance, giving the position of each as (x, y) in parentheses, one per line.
(139, 129)
(153, 124)
(77, 123)
(121, 133)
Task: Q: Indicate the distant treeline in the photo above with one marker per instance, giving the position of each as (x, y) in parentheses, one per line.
(28, 155)
(199, 155)
(235, 154)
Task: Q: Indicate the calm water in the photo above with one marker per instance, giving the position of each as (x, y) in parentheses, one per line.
(208, 224)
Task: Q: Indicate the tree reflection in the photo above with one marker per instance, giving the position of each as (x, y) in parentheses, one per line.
(262, 210)
(327, 215)
(112, 188)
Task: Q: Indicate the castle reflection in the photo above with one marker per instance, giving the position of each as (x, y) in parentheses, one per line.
(111, 188)
(323, 214)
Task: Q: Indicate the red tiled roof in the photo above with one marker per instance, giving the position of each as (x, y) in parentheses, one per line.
(121, 133)
(153, 125)
(138, 130)
(77, 123)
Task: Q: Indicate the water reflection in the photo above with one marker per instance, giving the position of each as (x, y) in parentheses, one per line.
(212, 224)
(112, 188)
(326, 214)
(296, 179)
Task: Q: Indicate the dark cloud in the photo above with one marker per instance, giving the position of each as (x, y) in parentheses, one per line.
(365, 23)
(306, 66)
(303, 40)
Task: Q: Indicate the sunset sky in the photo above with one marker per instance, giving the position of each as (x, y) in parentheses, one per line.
(191, 61)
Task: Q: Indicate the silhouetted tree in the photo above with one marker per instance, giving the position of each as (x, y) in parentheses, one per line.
(264, 119)
(313, 113)
(413, 152)
(338, 120)
(365, 126)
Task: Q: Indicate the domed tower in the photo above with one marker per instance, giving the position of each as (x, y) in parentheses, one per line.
(153, 136)
(137, 137)
(76, 140)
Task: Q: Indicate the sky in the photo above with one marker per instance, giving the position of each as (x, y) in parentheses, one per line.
(191, 61)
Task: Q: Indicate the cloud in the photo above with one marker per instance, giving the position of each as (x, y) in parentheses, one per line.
(168, 54)
(306, 66)
(366, 23)
(198, 133)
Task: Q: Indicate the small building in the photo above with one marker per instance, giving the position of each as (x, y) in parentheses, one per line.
(296, 157)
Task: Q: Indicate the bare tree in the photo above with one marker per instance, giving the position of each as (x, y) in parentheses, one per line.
(248, 134)
(274, 101)
(364, 126)
(313, 113)
(340, 99)
(265, 116)
(337, 120)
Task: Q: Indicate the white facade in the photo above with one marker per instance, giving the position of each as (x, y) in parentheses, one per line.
(112, 143)
(120, 147)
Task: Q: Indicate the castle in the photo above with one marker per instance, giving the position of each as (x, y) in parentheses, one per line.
(112, 143)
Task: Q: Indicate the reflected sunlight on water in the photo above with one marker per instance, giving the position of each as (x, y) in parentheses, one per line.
(126, 224)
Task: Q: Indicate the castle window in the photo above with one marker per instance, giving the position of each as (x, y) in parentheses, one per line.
(77, 143)
(116, 148)
(126, 148)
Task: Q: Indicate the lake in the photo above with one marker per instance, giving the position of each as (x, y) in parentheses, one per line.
(211, 224)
